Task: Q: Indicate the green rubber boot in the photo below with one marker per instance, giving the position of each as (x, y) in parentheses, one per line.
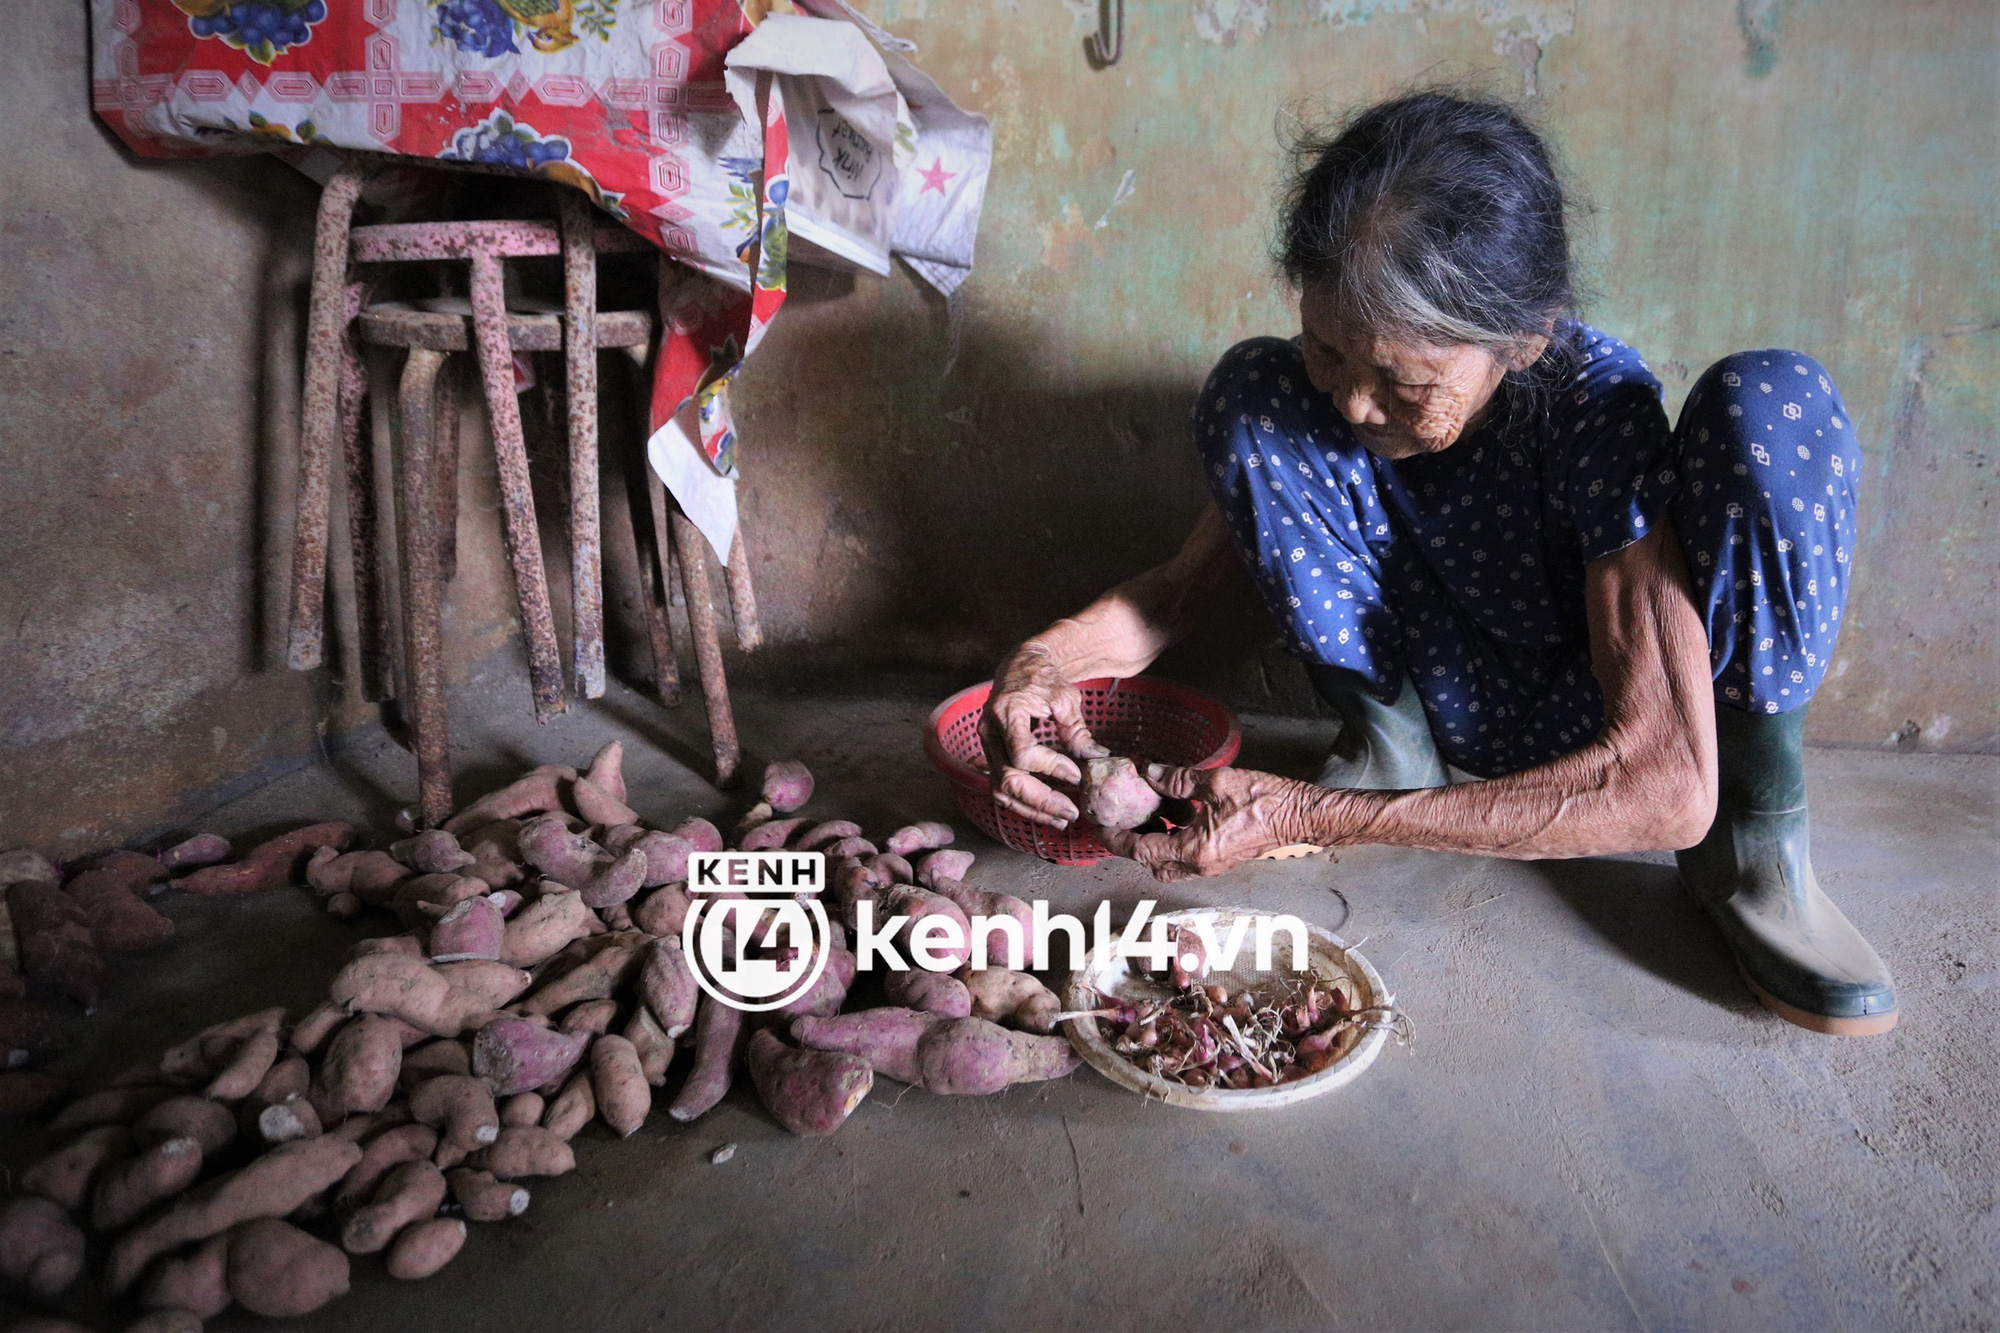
(1381, 747)
(1753, 873)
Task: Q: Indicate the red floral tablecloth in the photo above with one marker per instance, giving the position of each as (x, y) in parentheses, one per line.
(623, 99)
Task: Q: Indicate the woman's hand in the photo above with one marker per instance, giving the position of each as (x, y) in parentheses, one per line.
(1027, 688)
(1240, 814)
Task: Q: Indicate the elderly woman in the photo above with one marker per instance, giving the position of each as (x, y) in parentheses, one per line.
(1469, 516)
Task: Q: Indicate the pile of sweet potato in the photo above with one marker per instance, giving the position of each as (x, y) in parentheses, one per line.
(539, 985)
(56, 931)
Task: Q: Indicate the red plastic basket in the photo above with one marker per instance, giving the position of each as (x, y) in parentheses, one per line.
(1152, 721)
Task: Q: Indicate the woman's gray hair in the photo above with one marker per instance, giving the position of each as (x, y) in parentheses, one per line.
(1434, 216)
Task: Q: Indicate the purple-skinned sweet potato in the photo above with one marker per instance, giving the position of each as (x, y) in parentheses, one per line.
(269, 865)
(973, 1056)
(717, 1040)
(886, 1038)
(919, 837)
(40, 1248)
(809, 1092)
(927, 992)
(1116, 795)
(203, 849)
(513, 1055)
(788, 784)
(538, 791)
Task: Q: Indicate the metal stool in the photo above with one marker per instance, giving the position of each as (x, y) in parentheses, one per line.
(425, 493)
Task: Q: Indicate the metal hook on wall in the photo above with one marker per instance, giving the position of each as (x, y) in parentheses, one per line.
(1103, 47)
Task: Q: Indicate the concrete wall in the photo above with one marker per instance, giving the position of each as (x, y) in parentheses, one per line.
(143, 436)
(928, 482)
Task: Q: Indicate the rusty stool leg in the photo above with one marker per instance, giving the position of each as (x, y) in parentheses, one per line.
(445, 453)
(742, 596)
(371, 598)
(423, 588)
(517, 497)
(321, 416)
(586, 540)
(657, 561)
(693, 548)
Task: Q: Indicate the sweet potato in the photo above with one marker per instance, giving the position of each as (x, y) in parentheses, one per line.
(809, 1092)
(471, 930)
(524, 1150)
(610, 964)
(424, 1248)
(699, 834)
(847, 849)
(1116, 795)
(921, 837)
(206, 1122)
(666, 855)
(667, 985)
(599, 806)
(197, 1281)
(280, 1272)
(25, 1092)
(358, 1074)
(272, 1186)
(486, 1198)
(927, 992)
(246, 1069)
(572, 1108)
(656, 1049)
(825, 832)
(495, 982)
(542, 928)
(409, 989)
(393, 1147)
(283, 1122)
(362, 1128)
(129, 1188)
(345, 907)
(592, 1016)
(372, 877)
(856, 882)
(892, 868)
(536, 792)
(947, 948)
(496, 853)
(40, 1248)
(419, 902)
(112, 893)
(65, 1176)
(618, 1083)
(717, 1039)
(523, 1108)
(203, 849)
(432, 1060)
(771, 835)
(432, 852)
(270, 865)
(318, 1025)
(949, 863)
(410, 1193)
(512, 1055)
(971, 1055)
(888, 1039)
(55, 942)
(108, 1106)
(461, 1108)
(576, 862)
(788, 784)
(409, 944)
(214, 1049)
(287, 1081)
(662, 912)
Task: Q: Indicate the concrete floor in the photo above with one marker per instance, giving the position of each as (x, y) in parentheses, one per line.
(1596, 1128)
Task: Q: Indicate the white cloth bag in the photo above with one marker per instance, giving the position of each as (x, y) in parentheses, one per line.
(851, 136)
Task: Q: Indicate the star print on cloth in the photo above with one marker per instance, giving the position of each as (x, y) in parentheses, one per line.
(935, 176)
(1462, 572)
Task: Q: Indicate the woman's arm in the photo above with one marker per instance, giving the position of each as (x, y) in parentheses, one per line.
(1646, 783)
(1117, 635)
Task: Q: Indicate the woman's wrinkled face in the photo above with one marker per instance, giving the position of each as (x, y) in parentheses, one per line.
(1402, 398)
